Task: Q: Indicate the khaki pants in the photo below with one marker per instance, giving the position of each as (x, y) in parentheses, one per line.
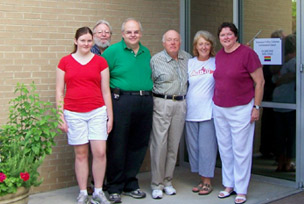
(167, 129)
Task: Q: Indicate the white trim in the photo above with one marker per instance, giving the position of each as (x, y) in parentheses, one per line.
(182, 23)
(185, 25)
(300, 96)
(185, 36)
(236, 13)
(268, 104)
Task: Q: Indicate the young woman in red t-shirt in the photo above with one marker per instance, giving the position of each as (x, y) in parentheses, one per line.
(83, 95)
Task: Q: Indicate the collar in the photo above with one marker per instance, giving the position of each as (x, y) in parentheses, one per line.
(169, 58)
(95, 48)
(125, 47)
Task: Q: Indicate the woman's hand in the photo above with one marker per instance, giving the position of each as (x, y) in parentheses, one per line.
(255, 115)
(109, 125)
(63, 125)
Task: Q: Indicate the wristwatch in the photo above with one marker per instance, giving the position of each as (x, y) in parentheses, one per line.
(256, 107)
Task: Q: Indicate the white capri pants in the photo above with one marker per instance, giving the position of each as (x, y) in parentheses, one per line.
(234, 134)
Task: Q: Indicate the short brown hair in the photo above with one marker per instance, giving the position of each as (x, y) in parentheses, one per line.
(228, 25)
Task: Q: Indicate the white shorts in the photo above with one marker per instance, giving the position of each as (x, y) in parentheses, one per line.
(83, 127)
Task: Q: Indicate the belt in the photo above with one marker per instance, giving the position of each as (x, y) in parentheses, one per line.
(172, 97)
(134, 93)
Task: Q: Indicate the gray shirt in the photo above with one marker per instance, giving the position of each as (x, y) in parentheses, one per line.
(169, 76)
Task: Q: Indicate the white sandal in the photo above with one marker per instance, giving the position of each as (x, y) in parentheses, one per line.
(225, 194)
(242, 199)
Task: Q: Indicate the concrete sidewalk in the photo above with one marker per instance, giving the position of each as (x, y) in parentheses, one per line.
(294, 198)
(260, 191)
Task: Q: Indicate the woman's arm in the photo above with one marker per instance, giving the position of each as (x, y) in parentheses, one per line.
(59, 98)
(106, 93)
(259, 82)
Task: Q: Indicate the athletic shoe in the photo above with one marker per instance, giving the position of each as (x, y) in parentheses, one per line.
(99, 198)
(169, 190)
(82, 199)
(115, 198)
(157, 194)
(136, 194)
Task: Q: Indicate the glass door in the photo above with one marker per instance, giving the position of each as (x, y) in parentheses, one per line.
(270, 29)
(279, 136)
(201, 15)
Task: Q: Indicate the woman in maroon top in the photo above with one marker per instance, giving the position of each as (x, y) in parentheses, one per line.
(237, 98)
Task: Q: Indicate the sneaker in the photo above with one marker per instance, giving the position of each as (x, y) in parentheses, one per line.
(169, 190)
(90, 190)
(115, 198)
(82, 199)
(99, 198)
(136, 194)
(157, 194)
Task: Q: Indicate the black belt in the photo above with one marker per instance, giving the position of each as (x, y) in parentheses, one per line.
(134, 93)
(172, 97)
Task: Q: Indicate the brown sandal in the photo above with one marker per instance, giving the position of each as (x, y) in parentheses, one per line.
(206, 189)
(197, 188)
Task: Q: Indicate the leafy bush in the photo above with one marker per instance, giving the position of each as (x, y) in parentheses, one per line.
(26, 139)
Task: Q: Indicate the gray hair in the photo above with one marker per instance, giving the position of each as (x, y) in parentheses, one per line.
(130, 19)
(164, 36)
(102, 22)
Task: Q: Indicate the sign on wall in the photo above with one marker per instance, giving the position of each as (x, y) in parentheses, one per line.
(269, 50)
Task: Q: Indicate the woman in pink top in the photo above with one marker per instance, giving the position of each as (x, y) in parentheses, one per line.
(237, 98)
(84, 99)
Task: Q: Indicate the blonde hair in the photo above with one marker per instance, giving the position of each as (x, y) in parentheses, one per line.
(208, 37)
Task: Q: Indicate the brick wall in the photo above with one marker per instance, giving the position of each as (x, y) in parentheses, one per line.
(267, 16)
(34, 35)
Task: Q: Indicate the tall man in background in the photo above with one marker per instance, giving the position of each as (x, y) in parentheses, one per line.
(102, 33)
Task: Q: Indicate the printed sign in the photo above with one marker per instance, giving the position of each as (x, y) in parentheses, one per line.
(269, 50)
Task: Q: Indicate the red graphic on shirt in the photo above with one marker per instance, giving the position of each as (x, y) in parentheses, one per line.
(201, 71)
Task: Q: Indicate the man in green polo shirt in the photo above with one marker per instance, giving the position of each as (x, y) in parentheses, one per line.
(131, 85)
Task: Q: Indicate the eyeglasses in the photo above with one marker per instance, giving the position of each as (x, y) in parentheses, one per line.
(136, 32)
(106, 32)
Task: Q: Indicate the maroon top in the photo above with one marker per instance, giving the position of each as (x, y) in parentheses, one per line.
(233, 83)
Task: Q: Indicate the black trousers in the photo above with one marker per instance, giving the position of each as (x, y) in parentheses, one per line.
(128, 142)
(268, 135)
(285, 133)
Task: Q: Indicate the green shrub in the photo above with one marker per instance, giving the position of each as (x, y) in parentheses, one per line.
(26, 139)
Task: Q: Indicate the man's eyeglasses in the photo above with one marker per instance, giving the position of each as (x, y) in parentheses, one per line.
(136, 32)
(106, 32)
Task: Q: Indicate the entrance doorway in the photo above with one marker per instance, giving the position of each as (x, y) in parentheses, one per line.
(278, 144)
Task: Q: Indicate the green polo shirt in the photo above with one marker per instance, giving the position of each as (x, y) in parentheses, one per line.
(128, 71)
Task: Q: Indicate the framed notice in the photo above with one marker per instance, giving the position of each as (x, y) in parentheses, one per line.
(269, 50)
